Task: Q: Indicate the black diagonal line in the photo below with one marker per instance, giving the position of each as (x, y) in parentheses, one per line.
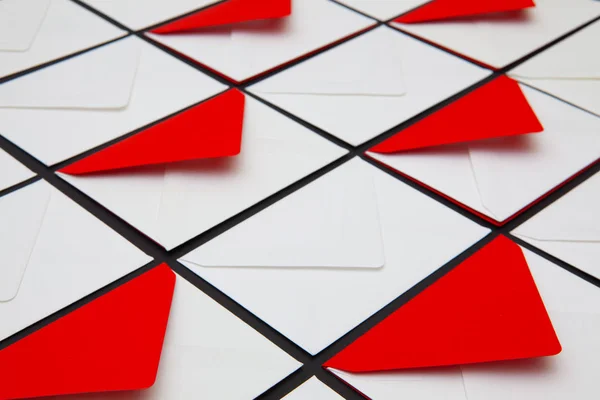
(18, 186)
(56, 61)
(574, 270)
(548, 45)
(565, 101)
(553, 196)
(513, 64)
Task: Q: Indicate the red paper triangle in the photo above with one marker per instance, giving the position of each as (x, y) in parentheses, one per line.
(486, 309)
(497, 109)
(447, 9)
(210, 129)
(229, 12)
(112, 343)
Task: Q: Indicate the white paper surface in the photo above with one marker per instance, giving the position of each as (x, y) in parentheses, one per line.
(74, 255)
(66, 29)
(21, 219)
(400, 77)
(383, 9)
(162, 86)
(138, 14)
(100, 79)
(207, 348)
(568, 228)
(342, 298)
(12, 171)
(20, 21)
(331, 223)
(570, 70)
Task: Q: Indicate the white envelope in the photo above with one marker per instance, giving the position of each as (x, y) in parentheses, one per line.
(315, 306)
(173, 203)
(53, 253)
(568, 228)
(242, 51)
(313, 389)
(209, 353)
(369, 84)
(65, 109)
(570, 70)
(12, 171)
(34, 32)
(343, 204)
(383, 9)
(574, 307)
(19, 23)
(138, 14)
(499, 177)
(497, 40)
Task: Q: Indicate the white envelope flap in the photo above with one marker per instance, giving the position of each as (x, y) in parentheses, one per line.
(99, 79)
(20, 21)
(573, 218)
(574, 58)
(512, 172)
(369, 65)
(331, 223)
(21, 217)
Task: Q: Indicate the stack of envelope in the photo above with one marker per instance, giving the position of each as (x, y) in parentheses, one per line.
(331, 198)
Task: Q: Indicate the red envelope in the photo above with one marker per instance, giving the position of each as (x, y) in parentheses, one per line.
(209, 130)
(447, 9)
(229, 12)
(112, 343)
(498, 108)
(486, 309)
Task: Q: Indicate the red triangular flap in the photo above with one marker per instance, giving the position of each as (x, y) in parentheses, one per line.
(486, 309)
(210, 129)
(229, 12)
(112, 343)
(497, 109)
(447, 9)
